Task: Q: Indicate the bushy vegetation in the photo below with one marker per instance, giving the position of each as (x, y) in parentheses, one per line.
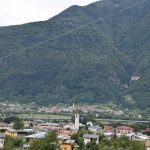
(94, 64)
(11, 143)
(10, 119)
(122, 143)
(50, 142)
(18, 124)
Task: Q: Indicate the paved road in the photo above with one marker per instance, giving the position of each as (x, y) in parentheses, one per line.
(119, 120)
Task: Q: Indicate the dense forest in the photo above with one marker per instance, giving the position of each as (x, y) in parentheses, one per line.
(108, 61)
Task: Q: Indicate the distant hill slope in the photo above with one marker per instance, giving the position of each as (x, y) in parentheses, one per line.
(93, 64)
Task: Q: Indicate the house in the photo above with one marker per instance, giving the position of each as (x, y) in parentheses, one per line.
(64, 134)
(132, 135)
(108, 129)
(69, 145)
(8, 131)
(140, 137)
(70, 126)
(39, 135)
(2, 124)
(95, 129)
(146, 131)
(2, 137)
(108, 134)
(147, 145)
(49, 126)
(24, 132)
(124, 129)
(89, 137)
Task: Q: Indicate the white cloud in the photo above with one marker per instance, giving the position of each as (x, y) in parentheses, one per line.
(23, 11)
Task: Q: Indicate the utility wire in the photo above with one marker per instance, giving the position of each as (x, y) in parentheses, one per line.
(71, 31)
(93, 22)
(68, 32)
(92, 147)
(95, 145)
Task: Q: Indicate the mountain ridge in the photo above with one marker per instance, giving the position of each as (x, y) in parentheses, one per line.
(94, 64)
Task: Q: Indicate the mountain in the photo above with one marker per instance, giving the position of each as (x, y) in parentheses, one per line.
(108, 61)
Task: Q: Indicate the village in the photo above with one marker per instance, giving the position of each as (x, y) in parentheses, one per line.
(98, 110)
(32, 129)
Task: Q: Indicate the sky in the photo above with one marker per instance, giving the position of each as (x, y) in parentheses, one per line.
(13, 12)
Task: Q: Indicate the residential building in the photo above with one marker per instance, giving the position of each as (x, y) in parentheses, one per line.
(39, 135)
(95, 129)
(24, 132)
(124, 129)
(108, 129)
(49, 126)
(64, 134)
(69, 145)
(139, 137)
(89, 137)
(2, 124)
(8, 131)
(70, 126)
(147, 145)
(147, 131)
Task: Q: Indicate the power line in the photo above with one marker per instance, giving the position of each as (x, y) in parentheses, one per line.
(92, 147)
(78, 29)
(71, 31)
(66, 33)
(95, 145)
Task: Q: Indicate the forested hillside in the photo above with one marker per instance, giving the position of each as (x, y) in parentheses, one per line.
(108, 61)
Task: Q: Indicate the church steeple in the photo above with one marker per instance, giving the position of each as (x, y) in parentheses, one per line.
(77, 117)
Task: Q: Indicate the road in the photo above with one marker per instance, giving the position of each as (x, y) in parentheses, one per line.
(119, 120)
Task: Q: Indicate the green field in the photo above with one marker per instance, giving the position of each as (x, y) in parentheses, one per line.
(43, 115)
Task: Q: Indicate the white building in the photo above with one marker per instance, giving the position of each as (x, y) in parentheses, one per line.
(39, 135)
(70, 126)
(90, 123)
(96, 129)
(138, 136)
(88, 137)
(77, 117)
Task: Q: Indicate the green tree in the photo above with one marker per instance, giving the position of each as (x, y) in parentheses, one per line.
(11, 143)
(136, 146)
(78, 137)
(10, 119)
(17, 141)
(8, 145)
(48, 143)
(92, 145)
(18, 124)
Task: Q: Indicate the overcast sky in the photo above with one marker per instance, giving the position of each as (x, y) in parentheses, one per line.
(22, 11)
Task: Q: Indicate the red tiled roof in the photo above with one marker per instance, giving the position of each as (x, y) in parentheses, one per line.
(65, 131)
(147, 144)
(124, 128)
(147, 129)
